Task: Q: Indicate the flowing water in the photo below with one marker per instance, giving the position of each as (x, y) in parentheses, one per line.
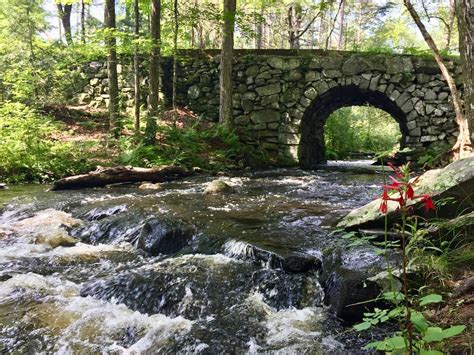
(123, 270)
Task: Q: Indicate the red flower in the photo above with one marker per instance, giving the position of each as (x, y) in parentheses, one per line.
(405, 191)
(429, 205)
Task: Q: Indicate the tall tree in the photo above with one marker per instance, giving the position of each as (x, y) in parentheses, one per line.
(175, 56)
(225, 105)
(341, 26)
(136, 66)
(462, 146)
(64, 12)
(83, 21)
(465, 19)
(294, 24)
(155, 69)
(109, 20)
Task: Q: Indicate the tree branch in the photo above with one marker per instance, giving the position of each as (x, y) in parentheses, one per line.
(309, 25)
(333, 24)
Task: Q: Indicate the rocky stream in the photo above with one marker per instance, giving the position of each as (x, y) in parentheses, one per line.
(173, 270)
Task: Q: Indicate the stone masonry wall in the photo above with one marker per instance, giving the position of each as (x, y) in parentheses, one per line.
(278, 95)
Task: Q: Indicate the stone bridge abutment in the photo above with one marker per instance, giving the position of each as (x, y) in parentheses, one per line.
(282, 98)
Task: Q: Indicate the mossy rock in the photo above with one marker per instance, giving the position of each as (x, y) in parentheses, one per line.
(453, 185)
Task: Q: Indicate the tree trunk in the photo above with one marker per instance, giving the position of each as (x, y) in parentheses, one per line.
(120, 174)
(109, 19)
(333, 24)
(341, 26)
(155, 69)
(294, 25)
(175, 58)
(65, 16)
(465, 18)
(83, 21)
(462, 147)
(225, 105)
(136, 68)
(259, 29)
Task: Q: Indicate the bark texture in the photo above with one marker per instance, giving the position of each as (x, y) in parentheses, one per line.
(136, 68)
(465, 18)
(65, 16)
(109, 17)
(462, 148)
(155, 69)
(225, 106)
(83, 21)
(175, 56)
(120, 174)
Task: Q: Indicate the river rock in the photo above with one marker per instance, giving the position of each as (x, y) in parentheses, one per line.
(150, 186)
(3, 186)
(349, 281)
(48, 227)
(218, 187)
(293, 262)
(164, 236)
(454, 182)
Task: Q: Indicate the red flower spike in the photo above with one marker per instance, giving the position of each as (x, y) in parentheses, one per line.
(383, 207)
(395, 170)
(395, 183)
(410, 193)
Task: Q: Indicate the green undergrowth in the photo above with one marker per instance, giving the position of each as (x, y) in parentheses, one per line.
(208, 146)
(30, 150)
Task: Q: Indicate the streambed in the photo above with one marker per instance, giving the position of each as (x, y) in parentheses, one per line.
(174, 270)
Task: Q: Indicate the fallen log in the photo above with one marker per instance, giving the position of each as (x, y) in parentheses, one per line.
(120, 174)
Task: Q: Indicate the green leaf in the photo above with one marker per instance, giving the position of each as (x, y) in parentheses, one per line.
(434, 334)
(430, 352)
(432, 298)
(396, 312)
(362, 326)
(419, 321)
(394, 296)
(388, 344)
(453, 331)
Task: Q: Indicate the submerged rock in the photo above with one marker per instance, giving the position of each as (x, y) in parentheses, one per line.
(47, 227)
(218, 187)
(164, 236)
(197, 286)
(453, 184)
(294, 262)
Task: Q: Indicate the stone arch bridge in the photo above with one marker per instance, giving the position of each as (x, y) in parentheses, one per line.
(283, 97)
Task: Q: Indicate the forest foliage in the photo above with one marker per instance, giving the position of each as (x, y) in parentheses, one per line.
(39, 61)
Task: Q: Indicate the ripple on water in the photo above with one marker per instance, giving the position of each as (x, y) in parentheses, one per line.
(134, 303)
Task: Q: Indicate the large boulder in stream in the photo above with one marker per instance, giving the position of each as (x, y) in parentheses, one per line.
(153, 234)
(164, 236)
(47, 227)
(453, 184)
(353, 279)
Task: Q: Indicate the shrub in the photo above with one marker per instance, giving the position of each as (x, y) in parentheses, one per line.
(212, 148)
(29, 152)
